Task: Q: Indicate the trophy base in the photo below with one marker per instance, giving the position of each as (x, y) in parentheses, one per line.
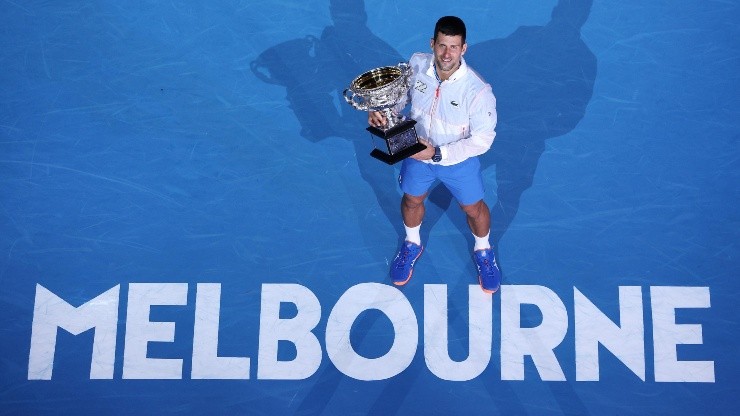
(401, 142)
(397, 157)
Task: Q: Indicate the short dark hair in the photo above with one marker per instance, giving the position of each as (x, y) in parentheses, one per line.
(450, 26)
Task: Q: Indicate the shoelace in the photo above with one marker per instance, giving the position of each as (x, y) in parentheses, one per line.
(403, 257)
(488, 269)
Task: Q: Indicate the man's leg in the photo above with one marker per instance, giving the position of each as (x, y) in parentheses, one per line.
(479, 220)
(412, 211)
(415, 179)
(465, 182)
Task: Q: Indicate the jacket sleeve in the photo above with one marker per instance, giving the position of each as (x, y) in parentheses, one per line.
(483, 120)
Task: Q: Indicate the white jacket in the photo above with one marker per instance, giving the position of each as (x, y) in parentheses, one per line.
(458, 115)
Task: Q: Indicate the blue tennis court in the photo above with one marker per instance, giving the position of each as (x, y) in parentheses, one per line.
(191, 221)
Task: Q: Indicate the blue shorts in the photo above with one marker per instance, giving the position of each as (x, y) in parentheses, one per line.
(464, 179)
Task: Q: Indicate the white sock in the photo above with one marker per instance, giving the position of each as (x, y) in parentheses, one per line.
(412, 234)
(481, 243)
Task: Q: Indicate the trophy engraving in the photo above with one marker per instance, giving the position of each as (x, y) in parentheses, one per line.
(381, 89)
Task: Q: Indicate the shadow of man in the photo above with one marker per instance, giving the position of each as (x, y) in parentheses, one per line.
(543, 78)
(315, 71)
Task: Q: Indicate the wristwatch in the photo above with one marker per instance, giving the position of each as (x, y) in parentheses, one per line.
(437, 154)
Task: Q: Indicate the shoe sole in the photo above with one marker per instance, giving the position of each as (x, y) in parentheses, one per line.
(411, 271)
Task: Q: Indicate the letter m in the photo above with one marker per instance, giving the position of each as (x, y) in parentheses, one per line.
(51, 312)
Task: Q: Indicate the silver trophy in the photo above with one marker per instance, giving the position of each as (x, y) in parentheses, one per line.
(381, 89)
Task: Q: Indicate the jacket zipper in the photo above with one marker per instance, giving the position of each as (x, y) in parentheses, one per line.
(435, 103)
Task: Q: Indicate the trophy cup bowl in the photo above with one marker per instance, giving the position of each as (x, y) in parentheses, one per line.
(381, 89)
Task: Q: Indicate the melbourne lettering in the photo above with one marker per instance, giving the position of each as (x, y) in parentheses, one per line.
(592, 328)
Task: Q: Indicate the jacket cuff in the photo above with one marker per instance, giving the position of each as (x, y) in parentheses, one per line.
(443, 151)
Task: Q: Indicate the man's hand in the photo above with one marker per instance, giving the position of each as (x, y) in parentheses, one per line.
(376, 119)
(425, 154)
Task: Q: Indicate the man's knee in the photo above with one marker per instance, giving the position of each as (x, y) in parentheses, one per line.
(410, 201)
(475, 209)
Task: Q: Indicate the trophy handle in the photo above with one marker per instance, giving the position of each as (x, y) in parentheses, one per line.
(405, 68)
(351, 100)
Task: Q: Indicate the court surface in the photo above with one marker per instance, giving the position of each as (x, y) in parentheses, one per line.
(191, 223)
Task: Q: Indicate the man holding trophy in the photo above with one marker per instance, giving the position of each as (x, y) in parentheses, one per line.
(453, 111)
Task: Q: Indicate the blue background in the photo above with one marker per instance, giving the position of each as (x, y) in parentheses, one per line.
(208, 142)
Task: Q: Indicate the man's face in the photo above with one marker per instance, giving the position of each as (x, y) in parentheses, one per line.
(447, 51)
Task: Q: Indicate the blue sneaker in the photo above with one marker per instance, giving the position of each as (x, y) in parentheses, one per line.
(489, 276)
(402, 267)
